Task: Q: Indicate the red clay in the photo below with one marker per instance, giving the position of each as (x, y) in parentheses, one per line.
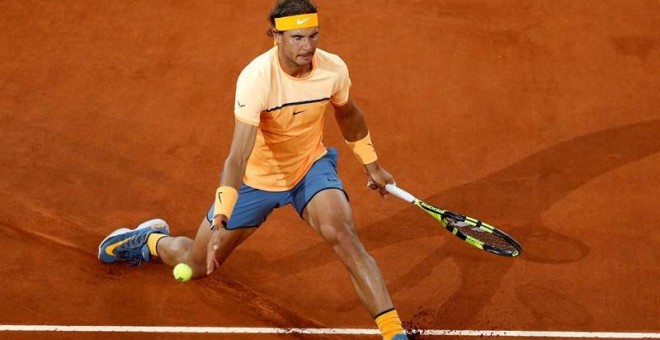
(539, 117)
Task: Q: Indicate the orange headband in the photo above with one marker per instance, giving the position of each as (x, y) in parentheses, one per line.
(295, 22)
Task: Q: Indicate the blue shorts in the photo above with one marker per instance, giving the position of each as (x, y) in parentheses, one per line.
(254, 205)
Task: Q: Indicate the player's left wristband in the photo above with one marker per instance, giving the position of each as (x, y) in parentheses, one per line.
(364, 150)
(225, 200)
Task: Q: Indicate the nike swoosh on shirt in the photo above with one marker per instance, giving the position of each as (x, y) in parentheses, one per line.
(110, 250)
(300, 22)
(297, 112)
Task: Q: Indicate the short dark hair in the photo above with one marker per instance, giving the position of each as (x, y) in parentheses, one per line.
(285, 8)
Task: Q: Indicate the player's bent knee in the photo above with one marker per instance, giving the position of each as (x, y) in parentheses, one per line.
(349, 244)
(199, 270)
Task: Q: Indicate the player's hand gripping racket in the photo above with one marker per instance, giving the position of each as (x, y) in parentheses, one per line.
(468, 229)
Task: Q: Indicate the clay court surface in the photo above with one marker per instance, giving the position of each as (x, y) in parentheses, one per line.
(540, 117)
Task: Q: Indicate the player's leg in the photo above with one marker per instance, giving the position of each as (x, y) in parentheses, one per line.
(152, 238)
(175, 250)
(330, 215)
(320, 200)
(252, 208)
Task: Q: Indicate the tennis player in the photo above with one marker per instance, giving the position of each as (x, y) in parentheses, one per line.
(277, 158)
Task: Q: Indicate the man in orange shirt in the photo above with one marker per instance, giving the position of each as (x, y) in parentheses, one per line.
(277, 158)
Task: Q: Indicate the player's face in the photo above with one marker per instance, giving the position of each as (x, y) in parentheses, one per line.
(298, 46)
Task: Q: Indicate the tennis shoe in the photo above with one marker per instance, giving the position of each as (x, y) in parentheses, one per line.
(401, 336)
(130, 245)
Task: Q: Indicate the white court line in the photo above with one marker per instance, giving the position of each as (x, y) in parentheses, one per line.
(327, 331)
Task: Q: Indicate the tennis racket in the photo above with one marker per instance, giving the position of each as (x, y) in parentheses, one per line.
(474, 232)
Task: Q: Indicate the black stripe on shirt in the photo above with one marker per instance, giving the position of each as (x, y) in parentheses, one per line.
(297, 103)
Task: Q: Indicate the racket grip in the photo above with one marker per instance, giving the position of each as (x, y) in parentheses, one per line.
(400, 193)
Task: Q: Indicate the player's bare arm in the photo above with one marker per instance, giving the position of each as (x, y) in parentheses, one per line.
(351, 121)
(232, 176)
(234, 168)
(354, 128)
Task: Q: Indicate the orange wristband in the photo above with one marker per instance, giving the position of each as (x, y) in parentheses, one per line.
(225, 200)
(364, 150)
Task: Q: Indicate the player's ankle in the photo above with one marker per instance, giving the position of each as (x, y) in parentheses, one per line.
(152, 243)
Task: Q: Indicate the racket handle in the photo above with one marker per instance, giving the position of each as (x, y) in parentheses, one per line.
(400, 193)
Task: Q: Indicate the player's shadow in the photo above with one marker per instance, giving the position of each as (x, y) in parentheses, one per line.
(513, 198)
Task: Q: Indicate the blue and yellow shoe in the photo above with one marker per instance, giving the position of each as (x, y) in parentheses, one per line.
(130, 245)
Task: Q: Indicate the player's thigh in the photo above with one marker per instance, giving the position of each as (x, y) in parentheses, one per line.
(229, 240)
(330, 214)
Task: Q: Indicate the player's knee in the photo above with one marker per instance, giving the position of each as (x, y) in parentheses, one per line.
(199, 269)
(348, 244)
(196, 261)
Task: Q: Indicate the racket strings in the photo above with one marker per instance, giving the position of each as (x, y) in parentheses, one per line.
(492, 239)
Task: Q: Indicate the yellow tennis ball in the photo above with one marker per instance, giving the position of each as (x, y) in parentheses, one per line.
(182, 272)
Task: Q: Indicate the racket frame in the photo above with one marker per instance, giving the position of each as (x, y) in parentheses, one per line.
(442, 216)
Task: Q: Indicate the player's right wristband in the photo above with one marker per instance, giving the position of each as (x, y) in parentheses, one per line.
(225, 200)
(364, 150)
